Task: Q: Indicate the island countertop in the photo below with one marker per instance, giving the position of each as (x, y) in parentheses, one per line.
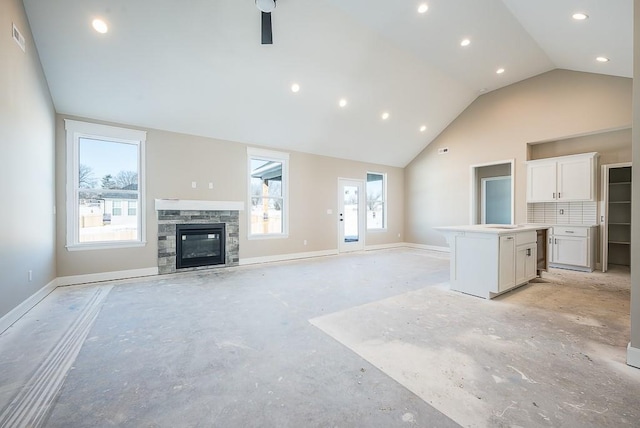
(496, 229)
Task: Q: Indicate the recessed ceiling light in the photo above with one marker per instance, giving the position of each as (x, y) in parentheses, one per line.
(385, 115)
(423, 128)
(100, 26)
(342, 102)
(579, 16)
(423, 8)
(602, 59)
(500, 71)
(295, 87)
(465, 42)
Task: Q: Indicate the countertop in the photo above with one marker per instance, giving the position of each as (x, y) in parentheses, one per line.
(495, 229)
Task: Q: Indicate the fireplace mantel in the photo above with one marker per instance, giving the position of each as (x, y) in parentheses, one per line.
(193, 205)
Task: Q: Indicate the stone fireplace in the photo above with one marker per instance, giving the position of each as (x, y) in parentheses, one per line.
(208, 232)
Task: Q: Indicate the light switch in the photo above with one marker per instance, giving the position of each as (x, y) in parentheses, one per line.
(193, 185)
(210, 185)
(329, 211)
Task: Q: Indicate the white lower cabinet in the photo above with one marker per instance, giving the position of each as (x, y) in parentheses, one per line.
(487, 264)
(572, 247)
(507, 276)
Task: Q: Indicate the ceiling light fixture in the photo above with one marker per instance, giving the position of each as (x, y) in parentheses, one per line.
(423, 8)
(423, 128)
(500, 71)
(295, 88)
(579, 16)
(465, 42)
(385, 115)
(100, 26)
(602, 59)
(266, 6)
(343, 102)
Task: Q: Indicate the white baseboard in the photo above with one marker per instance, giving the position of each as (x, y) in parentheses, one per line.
(427, 247)
(633, 356)
(106, 276)
(284, 257)
(384, 246)
(16, 313)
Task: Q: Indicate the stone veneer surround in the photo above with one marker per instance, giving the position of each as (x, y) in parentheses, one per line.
(167, 220)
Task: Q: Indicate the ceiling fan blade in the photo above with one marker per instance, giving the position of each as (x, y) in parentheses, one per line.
(267, 34)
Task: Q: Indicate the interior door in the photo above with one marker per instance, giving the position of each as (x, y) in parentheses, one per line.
(351, 212)
(496, 200)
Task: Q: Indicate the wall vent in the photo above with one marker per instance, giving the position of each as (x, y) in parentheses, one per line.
(18, 37)
(443, 150)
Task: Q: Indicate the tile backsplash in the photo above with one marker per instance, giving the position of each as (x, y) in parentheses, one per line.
(562, 212)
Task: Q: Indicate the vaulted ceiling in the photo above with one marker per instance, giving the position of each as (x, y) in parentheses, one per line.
(198, 67)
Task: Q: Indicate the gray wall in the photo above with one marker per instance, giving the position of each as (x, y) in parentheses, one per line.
(498, 126)
(27, 120)
(174, 160)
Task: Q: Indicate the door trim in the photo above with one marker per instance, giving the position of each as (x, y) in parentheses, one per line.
(474, 185)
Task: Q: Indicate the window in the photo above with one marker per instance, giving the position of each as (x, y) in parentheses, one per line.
(133, 207)
(116, 210)
(268, 193)
(376, 200)
(105, 175)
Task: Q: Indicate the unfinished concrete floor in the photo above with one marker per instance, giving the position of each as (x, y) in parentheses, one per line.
(362, 340)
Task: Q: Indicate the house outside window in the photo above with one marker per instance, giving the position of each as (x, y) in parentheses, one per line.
(105, 175)
(376, 201)
(268, 193)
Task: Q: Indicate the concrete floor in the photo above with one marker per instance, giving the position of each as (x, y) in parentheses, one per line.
(362, 340)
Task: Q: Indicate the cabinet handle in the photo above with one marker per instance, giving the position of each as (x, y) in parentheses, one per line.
(569, 231)
(549, 240)
(555, 240)
(554, 195)
(558, 195)
(528, 252)
(509, 238)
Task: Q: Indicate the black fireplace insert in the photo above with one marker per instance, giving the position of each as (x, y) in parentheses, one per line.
(200, 245)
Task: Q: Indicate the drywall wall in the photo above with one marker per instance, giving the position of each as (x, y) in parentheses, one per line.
(634, 352)
(174, 161)
(27, 121)
(496, 126)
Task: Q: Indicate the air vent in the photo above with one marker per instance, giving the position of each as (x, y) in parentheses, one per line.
(17, 36)
(443, 150)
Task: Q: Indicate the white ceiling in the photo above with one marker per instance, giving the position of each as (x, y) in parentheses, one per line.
(198, 67)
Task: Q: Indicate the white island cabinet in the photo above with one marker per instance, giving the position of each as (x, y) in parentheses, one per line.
(487, 260)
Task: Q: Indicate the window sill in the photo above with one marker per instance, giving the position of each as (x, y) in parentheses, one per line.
(270, 236)
(105, 246)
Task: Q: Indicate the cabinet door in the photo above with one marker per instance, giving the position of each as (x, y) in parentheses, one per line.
(541, 182)
(526, 262)
(507, 273)
(570, 250)
(575, 179)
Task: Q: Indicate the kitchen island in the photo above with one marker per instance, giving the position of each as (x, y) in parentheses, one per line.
(490, 259)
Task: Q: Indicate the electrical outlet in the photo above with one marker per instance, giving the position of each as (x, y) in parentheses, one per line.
(194, 184)
(210, 185)
(305, 242)
(30, 275)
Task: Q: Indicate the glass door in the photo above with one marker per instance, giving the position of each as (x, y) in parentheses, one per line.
(350, 215)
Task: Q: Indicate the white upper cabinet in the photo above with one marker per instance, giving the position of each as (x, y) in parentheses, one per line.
(562, 179)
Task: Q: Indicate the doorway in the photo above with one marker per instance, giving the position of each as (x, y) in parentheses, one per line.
(351, 211)
(615, 216)
(492, 193)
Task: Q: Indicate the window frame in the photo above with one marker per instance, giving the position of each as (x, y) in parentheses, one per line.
(385, 220)
(75, 130)
(274, 156)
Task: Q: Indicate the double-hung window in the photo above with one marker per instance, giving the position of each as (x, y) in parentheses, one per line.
(376, 201)
(268, 193)
(105, 186)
